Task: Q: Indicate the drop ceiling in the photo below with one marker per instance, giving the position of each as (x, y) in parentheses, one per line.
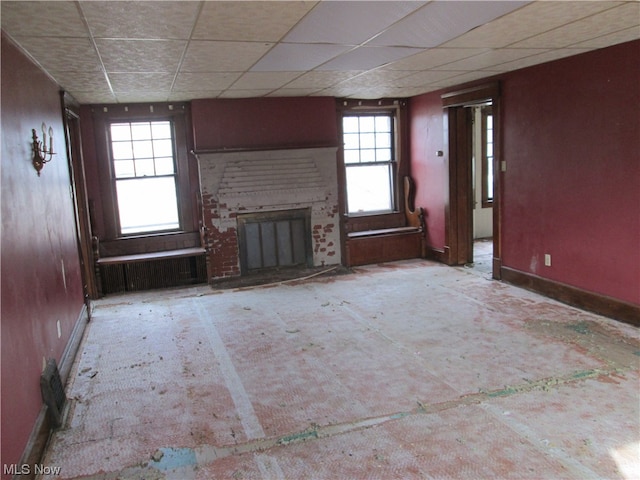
(156, 51)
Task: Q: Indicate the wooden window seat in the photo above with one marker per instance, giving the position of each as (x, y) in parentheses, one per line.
(390, 244)
(117, 271)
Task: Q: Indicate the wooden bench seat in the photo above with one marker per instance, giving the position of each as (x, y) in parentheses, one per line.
(144, 257)
(393, 243)
(384, 231)
(117, 270)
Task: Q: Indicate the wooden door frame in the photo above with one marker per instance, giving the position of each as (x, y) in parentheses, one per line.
(458, 142)
(71, 119)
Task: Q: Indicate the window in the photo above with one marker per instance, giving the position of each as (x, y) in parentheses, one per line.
(144, 169)
(369, 158)
(487, 156)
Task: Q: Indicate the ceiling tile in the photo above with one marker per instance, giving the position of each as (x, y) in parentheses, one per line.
(205, 81)
(123, 82)
(626, 35)
(293, 57)
(376, 77)
(315, 80)
(89, 97)
(83, 81)
(603, 23)
(268, 21)
(214, 56)
(420, 79)
(54, 19)
(548, 56)
(62, 54)
(244, 93)
(140, 55)
(294, 92)
(491, 58)
(263, 80)
(144, 96)
(433, 58)
(148, 19)
(349, 22)
(529, 20)
(366, 58)
(440, 21)
(462, 78)
(185, 95)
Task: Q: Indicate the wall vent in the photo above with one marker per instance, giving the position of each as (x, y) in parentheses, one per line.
(53, 392)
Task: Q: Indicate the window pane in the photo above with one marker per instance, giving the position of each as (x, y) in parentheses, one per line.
(368, 140)
(367, 124)
(350, 125)
(124, 168)
(351, 141)
(120, 131)
(369, 188)
(142, 149)
(147, 205)
(122, 150)
(161, 130)
(352, 156)
(162, 148)
(367, 156)
(164, 166)
(383, 140)
(383, 124)
(383, 155)
(145, 168)
(141, 131)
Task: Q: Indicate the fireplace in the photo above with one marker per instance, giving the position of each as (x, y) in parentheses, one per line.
(274, 240)
(268, 209)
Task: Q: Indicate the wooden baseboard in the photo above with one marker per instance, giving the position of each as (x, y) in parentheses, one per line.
(437, 254)
(593, 302)
(41, 431)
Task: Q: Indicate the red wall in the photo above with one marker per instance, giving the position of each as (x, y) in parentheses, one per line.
(255, 123)
(38, 237)
(571, 140)
(429, 171)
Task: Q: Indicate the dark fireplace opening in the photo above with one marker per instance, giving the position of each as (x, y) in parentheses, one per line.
(275, 240)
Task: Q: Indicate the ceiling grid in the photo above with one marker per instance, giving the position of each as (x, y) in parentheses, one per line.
(155, 51)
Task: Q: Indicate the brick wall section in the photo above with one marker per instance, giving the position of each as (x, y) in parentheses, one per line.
(264, 181)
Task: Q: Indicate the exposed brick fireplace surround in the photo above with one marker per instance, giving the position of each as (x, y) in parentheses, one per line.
(252, 182)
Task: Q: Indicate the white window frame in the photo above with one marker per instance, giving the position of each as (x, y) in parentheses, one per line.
(368, 147)
(138, 161)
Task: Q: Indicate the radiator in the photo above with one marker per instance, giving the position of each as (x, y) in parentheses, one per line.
(152, 274)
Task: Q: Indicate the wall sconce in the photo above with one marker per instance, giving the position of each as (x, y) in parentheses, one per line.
(40, 153)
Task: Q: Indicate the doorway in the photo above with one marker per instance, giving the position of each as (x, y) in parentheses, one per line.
(473, 213)
(482, 186)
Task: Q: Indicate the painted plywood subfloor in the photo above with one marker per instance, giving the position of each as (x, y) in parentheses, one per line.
(404, 370)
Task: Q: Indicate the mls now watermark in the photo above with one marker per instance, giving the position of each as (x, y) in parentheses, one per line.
(26, 469)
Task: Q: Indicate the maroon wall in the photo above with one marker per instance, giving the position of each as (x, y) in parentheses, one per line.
(571, 141)
(429, 171)
(255, 123)
(41, 279)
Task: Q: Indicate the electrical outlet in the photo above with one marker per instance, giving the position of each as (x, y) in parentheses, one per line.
(547, 259)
